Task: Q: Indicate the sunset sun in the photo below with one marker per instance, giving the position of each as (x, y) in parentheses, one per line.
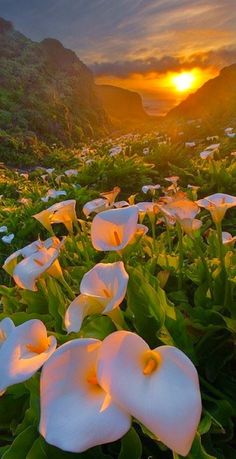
(183, 81)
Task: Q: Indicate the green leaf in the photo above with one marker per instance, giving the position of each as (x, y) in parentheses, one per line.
(21, 445)
(56, 303)
(131, 446)
(144, 306)
(37, 451)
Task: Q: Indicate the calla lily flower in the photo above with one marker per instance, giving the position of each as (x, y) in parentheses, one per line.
(44, 177)
(151, 188)
(159, 387)
(53, 194)
(111, 195)
(3, 229)
(180, 209)
(193, 187)
(25, 175)
(50, 170)
(23, 352)
(148, 207)
(61, 212)
(119, 204)
(217, 204)
(71, 172)
(96, 205)
(190, 225)
(227, 238)
(207, 154)
(114, 229)
(11, 261)
(27, 272)
(76, 413)
(59, 178)
(8, 238)
(114, 151)
(102, 289)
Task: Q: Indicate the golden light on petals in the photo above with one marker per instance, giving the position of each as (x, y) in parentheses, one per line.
(3, 335)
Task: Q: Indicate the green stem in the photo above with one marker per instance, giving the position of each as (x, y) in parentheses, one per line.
(117, 317)
(198, 248)
(154, 236)
(168, 234)
(220, 245)
(67, 288)
(181, 255)
(214, 390)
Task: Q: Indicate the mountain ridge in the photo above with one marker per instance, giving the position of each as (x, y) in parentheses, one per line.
(215, 100)
(46, 90)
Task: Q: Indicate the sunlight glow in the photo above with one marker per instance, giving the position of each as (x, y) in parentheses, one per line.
(184, 81)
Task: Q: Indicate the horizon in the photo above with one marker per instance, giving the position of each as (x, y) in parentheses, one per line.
(157, 52)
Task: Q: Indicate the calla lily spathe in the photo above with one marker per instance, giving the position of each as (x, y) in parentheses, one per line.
(31, 268)
(61, 212)
(217, 204)
(114, 229)
(103, 289)
(28, 250)
(181, 209)
(111, 195)
(53, 194)
(151, 188)
(190, 225)
(76, 413)
(227, 238)
(96, 205)
(160, 388)
(23, 352)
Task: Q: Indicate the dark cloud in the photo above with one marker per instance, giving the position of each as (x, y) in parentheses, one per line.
(98, 30)
(217, 58)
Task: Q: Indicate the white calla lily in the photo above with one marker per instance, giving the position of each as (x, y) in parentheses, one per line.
(217, 204)
(227, 238)
(8, 238)
(160, 388)
(114, 229)
(151, 188)
(26, 273)
(96, 205)
(28, 250)
(76, 413)
(61, 212)
(103, 289)
(24, 351)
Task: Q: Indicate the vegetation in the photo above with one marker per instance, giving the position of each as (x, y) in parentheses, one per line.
(181, 286)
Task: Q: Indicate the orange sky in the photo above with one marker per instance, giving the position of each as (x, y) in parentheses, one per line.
(137, 44)
(159, 91)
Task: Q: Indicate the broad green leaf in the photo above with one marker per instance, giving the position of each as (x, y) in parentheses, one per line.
(131, 446)
(21, 445)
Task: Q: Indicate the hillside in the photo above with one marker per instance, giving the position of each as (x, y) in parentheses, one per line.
(46, 91)
(122, 105)
(214, 101)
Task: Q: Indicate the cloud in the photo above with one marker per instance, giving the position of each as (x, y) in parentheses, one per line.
(216, 58)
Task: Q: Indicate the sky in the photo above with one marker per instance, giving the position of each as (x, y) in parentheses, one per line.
(141, 45)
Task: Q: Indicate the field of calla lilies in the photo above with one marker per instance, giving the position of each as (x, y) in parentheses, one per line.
(118, 303)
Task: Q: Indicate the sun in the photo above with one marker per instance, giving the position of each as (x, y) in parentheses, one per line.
(183, 81)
